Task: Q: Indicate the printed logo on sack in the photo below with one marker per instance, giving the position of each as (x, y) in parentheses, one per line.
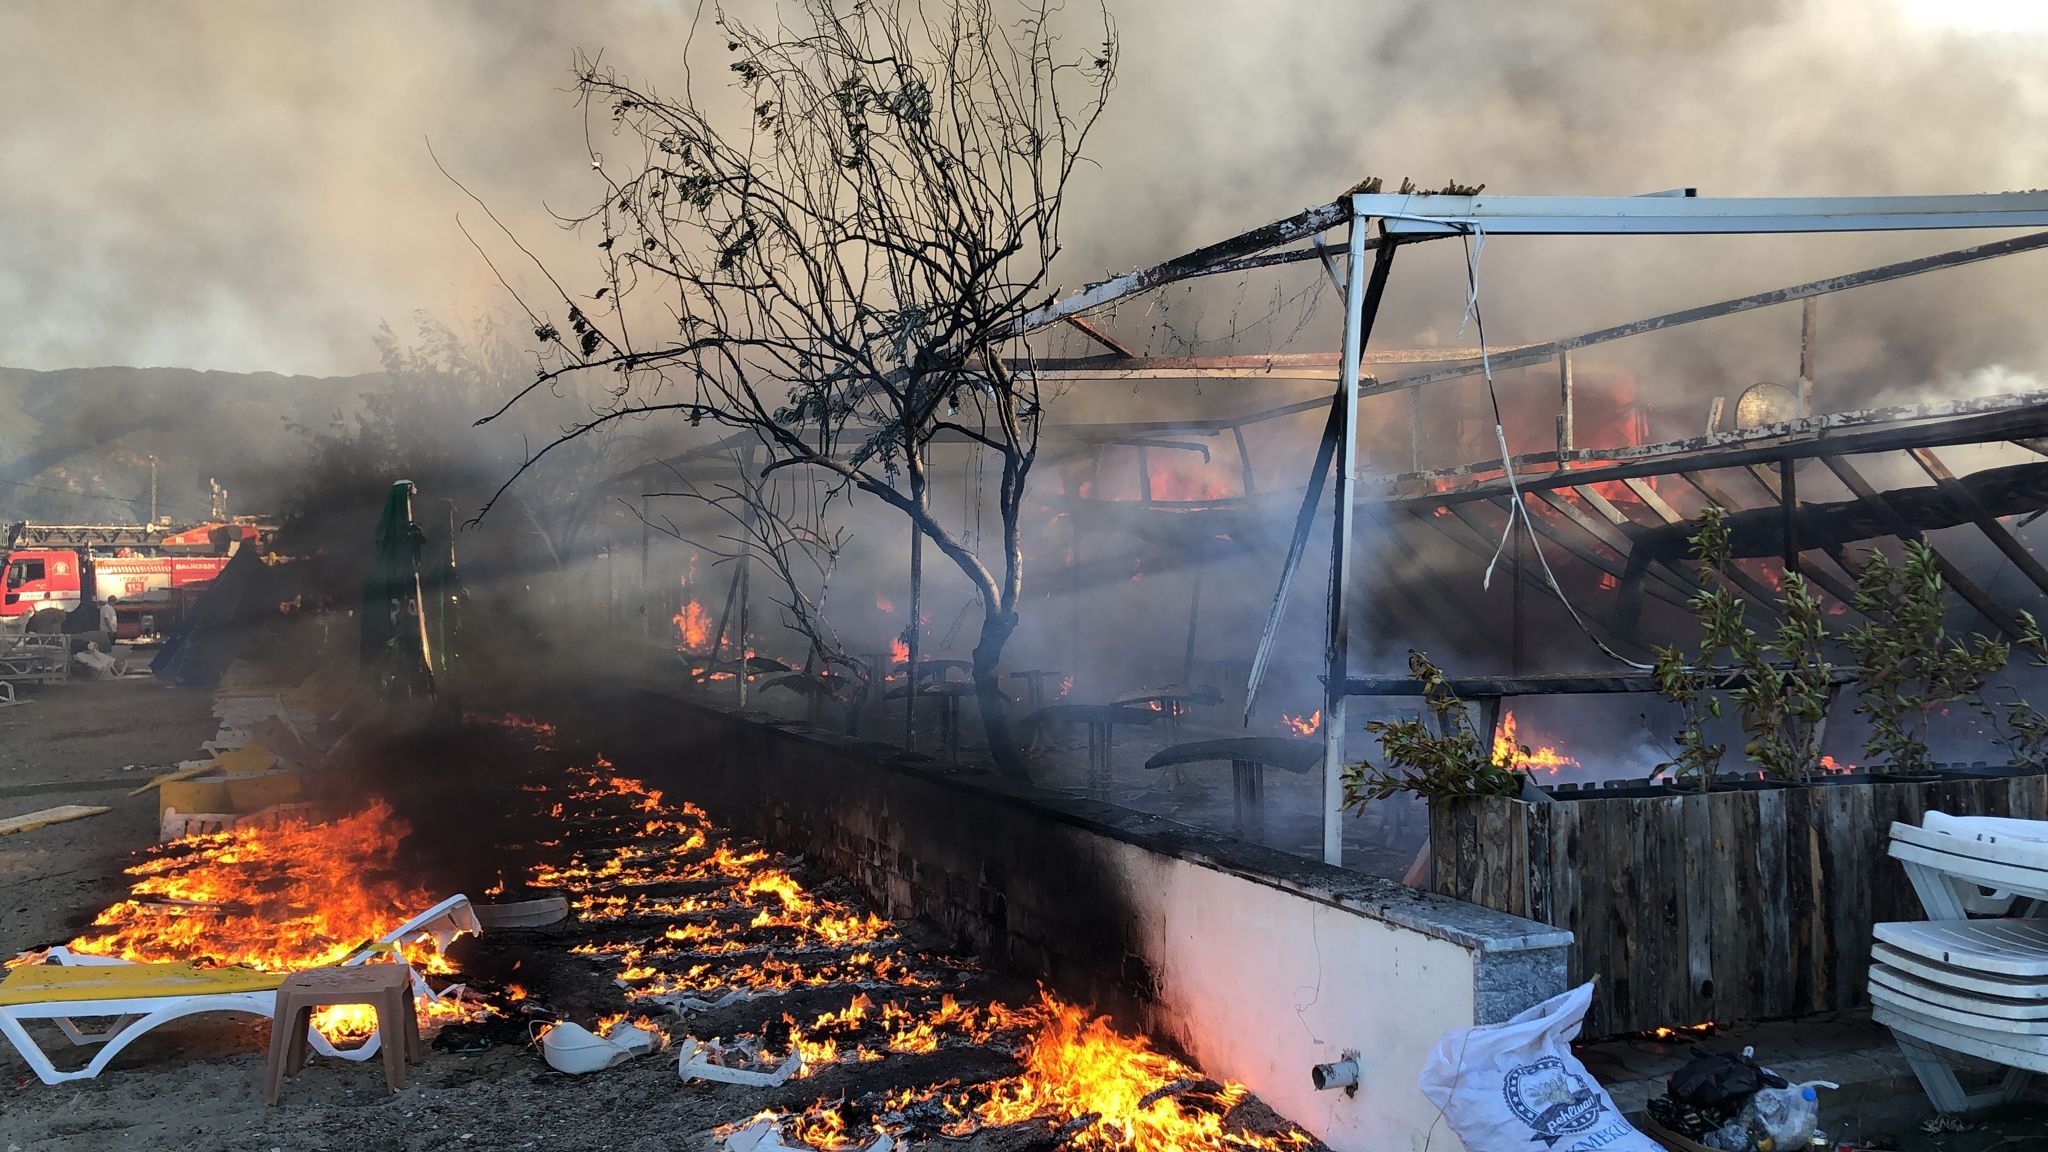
(1552, 1100)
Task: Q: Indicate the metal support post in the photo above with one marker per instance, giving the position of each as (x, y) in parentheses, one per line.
(1361, 306)
(913, 638)
(1566, 432)
(1807, 328)
(1788, 501)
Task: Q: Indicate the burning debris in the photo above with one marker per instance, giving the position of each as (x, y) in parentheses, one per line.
(282, 898)
(691, 927)
(689, 923)
(693, 627)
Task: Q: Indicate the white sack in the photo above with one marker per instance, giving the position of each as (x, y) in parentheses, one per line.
(1516, 1087)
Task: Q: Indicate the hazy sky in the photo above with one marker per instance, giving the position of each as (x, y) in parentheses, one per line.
(245, 184)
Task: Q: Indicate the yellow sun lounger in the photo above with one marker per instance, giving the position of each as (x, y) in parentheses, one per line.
(137, 996)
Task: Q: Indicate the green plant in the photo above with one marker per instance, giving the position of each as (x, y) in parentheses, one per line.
(1446, 760)
(1908, 665)
(1784, 695)
(2024, 728)
(1690, 682)
(1780, 685)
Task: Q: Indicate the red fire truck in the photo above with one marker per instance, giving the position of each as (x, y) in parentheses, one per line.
(150, 573)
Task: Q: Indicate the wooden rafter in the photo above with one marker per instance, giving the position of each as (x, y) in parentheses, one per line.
(1904, 530)
(1979, 421)
(1473, 537)
(1591, 557)
(1826, 581)
(2003, 540)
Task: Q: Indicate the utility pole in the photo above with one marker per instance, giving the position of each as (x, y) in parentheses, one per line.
(152, 488)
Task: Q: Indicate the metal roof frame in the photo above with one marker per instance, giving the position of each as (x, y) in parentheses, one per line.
(1406, 218)
(1430, 215)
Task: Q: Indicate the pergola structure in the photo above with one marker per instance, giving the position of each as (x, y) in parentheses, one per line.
(1383, 223)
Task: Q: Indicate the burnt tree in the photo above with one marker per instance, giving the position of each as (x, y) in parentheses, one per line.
(839, 266)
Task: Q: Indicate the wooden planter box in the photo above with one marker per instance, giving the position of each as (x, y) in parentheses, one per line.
(1725, 907)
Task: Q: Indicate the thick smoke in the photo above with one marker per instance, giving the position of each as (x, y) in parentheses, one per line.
(246, 185)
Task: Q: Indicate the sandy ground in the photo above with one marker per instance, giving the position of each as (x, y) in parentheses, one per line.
(75, 744)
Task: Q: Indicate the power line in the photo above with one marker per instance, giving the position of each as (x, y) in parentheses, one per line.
(79, 495)
(67, 491)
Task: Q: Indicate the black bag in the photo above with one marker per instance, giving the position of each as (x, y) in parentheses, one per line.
(1719, 1079)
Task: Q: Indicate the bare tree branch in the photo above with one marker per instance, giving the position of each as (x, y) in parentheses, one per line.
(841, 272)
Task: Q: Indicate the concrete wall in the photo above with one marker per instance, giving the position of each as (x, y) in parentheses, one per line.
(1255, 963)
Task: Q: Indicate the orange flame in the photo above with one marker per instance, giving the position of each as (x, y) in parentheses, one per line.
(1302, 725)
(291, 896)
(899, 651)
(296, 895)
(1686, 1029)
(693, 627)
(1510, 753)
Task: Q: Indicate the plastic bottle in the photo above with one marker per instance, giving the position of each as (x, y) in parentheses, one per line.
(1783, 1119)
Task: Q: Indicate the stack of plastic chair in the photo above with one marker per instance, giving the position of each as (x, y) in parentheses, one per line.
(1971, 981)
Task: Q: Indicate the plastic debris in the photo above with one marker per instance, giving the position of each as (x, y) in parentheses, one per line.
(696, 1060)
(763, 1135)
(572, 1048)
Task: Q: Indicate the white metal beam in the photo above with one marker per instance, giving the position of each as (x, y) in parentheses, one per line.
(1423, 215)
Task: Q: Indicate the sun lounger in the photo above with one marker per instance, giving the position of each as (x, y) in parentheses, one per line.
(31, 658)
(69, 986)
(1977, 988)
(1963, 866)
(1953, 986)
(137, 996)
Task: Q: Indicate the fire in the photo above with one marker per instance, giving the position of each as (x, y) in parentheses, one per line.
(1109, 1091)
(1833, 766)
(1302, 725)
(752, 928)
(693, 627)
(1507, 751)
(1175, 484)
(283, 898)
(1684, 1030)
(899, 651)
(883, 603)
(297, 895)
(1066, 686)
(1078, 1066)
